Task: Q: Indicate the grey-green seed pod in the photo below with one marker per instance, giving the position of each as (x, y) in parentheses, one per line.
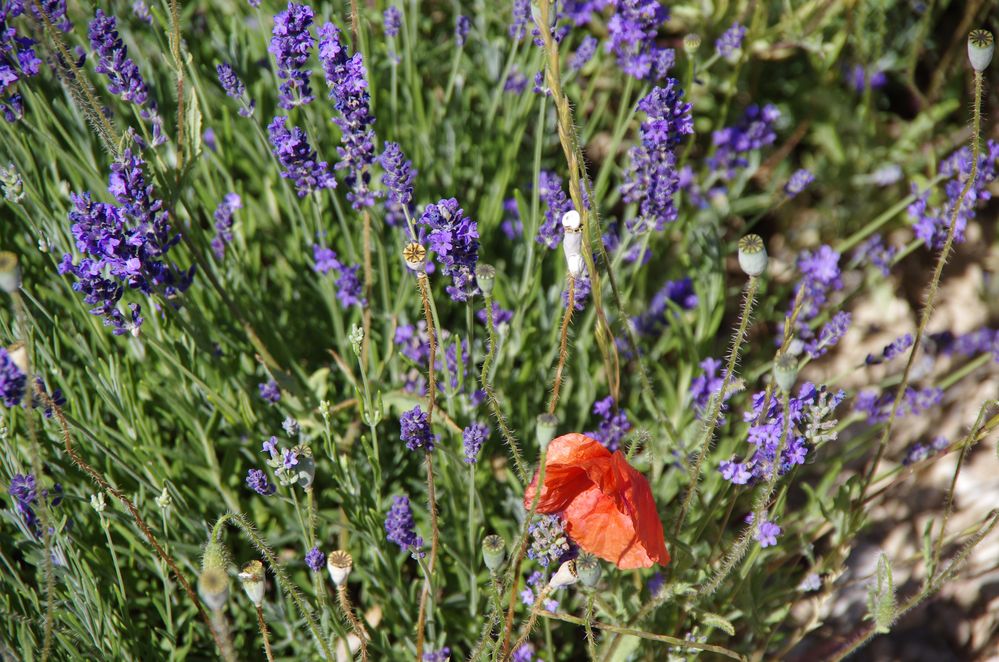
(339, 564)
(752, 255)
(691, 43)
(493, 552)
(485, 278)
(981, 46)
(10, 272)
(588, 568)
(785, 371)
(252, 579)
(547, 424)
(213, 587)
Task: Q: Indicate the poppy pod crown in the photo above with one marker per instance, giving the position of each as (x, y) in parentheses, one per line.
(606, 504)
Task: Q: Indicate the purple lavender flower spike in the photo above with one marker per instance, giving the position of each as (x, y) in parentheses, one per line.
(455, 239)
(729, 44)
(315, 559)
(18, 62)
(123, 75)
(398, 183)
(235, 88)
(462, 25)
(12, 380)
(632, 33)
(257, 481)
(798, 182)
(472, 438)
(556, 204)
(415, 430)
(400, 527)
(391, 20)
(584, 53)
(269, 391)
(223, 224)
(754, 131)
(297, 159)
(291, 45)
(613, 427)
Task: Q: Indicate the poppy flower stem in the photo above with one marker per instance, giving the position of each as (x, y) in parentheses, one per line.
(264, 634)
(563, 347)
(343, 599)
(525, 632)
(714, 407)
(494, 406)
(591, 640)
(434, 539)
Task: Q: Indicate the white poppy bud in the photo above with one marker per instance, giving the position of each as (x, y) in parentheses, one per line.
(566, 575)
(981, 45)
(339, 564)
(252, 579)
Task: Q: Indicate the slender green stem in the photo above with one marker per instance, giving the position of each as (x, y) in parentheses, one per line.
(494, 406)
(434, 539)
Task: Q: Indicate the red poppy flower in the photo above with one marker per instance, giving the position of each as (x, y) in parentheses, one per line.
(606, 504)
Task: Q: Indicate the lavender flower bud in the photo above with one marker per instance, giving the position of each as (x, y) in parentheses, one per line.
(493, 552)
(10, 272)
(785, 371)
(981, 45)
(566, 575)
(752, 255)
(485, 278)
(547, 424)
(588, 567)
(213, 587)
(339, 564)
(252, 579)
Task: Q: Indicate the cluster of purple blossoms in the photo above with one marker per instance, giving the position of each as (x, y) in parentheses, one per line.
(55, 10)
(807, 424)
(556, 204)
(23, 489)
(652, 179)
(732, 144)
(12, 380)
(140, 10)
(223, 223)
(516, 82)
(257, 481)
(291, 44)
(512, 226)
(462, 25)
(891, 350)
(580, 293)
(521, 19)
(298, 161)
(398, 183)
(873, 251)
(632, 32)
(269, 391)
(235, 88)
(415, 430)
(798, 182)
(524, 653)
(729, 44)
(931, 223)
(613, 426)
(549, 541)
(123, 246)
(349, 288)
(706, 385)
(391, 20)
(584, 53)
(536, 583)
(859, 79)
(966, 345)
(347, 80)
(831, 333)
(766, 534)
(123, 75)
(673, 295)
(820, 276)
(442, 655)
(919, 452)
(455, 240)
(878, 407)
(18, 61)
(400, 527)
(472, 439)
(315, 559)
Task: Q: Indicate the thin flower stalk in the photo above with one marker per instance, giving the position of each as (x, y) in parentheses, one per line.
(528, 628)
(343, 600)
(494, 406)
(933, 287)
(563, 350)
(264, 634)
(434, 540)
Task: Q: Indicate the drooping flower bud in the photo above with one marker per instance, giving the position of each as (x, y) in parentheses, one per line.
(588, 568)
(10, 272)
(752, 255)
(785, 371)
(213, 587)
(493, 552)
(252, 579)
(339, 564)
(572, 242)
(485, 278)
(547, 424)
(566, 575)
(981, 46)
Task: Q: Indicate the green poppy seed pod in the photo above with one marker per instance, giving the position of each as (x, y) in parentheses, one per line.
(305, 470)
(566, 575)
(752, 255)
(485, 278)
(493, 552)
(691, 43)
(785, 371)
(981, 46)
(588, 568)
(10, 272)
(252, 579)
(213, 587)
(547, 424)
(214, 556)
(339, 564)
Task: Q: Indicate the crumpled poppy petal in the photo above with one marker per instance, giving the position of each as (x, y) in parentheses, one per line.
(607, 505)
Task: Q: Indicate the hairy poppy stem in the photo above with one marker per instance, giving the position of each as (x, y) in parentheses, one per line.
(563, 350)
(533, 617)
(264, 634)
(494, 406)
(343, 599)
(931, 290)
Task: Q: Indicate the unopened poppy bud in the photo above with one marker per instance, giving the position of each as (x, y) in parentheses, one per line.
(214, 556)
(252, 579)
(414, 254)
(213, 587)
(547, 425)
(566, 575)
(691, 43)
(981, 46)
(339, 564)
(785, 371)
(10, 272)
(588, 568)
(571, 221)
(18, 353)
(493, 552)
(752, 255)
(485, 278)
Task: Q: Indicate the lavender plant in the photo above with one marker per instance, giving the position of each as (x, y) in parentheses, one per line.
(648, 361)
